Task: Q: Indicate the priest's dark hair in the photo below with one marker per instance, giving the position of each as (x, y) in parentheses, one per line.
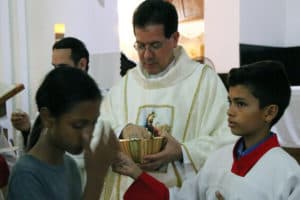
(156, 12)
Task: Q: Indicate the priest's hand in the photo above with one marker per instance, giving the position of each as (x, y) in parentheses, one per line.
(171, 152)
(219, 196)
(126, 166)
(135, 131)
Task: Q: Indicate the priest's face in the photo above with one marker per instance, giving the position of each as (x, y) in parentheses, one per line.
(154, 49)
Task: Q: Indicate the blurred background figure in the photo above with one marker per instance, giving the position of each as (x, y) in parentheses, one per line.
(126, 64)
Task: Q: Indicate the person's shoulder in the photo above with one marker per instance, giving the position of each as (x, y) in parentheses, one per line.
(132, 72)
(281, 157)
(118, 85)
(68, 160)
(226, 149)
(70, 163)
(24, 170)
(26, 167)
(220, 156)
(207, 72)
(280, 161)
(283, 167)
(25, 162)
(24, 182)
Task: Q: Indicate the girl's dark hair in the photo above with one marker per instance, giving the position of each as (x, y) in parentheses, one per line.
(61, 90)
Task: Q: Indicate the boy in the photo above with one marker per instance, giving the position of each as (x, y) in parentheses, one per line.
(259, 169)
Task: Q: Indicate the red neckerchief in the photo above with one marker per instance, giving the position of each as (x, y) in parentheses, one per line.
(244, 164)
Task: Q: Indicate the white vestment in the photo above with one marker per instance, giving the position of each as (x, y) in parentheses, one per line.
(275, 176)
(190, 98)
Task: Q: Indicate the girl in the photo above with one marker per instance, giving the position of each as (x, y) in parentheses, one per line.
(68, 101)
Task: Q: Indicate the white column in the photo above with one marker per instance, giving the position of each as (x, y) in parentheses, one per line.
(13, 54)
(222, 33)
(20, 65)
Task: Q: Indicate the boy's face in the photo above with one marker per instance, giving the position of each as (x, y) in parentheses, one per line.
(67, 130)
(245, 117)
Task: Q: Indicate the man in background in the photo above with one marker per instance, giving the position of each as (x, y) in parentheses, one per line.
(70, 51)
(67, 51)
(126, 64)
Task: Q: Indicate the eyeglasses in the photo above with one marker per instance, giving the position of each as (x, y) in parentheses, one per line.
(153, 46)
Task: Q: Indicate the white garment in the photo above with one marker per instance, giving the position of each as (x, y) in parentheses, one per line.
(276, 176)
(288, 127)
(8, 154)
(190, 98)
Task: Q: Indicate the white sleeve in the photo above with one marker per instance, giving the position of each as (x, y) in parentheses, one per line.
(189, 189)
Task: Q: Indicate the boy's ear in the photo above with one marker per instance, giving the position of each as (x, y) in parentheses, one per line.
(270, 112)
(46, 117)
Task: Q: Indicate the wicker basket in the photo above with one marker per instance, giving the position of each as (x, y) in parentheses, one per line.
(138, 148)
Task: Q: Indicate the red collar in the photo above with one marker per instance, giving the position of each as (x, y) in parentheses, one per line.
(244, 164)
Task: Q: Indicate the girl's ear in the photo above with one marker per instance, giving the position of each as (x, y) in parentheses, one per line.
(46, 117)
(270, 112)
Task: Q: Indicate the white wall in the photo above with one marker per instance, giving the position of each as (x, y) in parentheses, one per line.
(222, 33)
(270, 22)
(13, 54)
(292, 23)
(5, 56)
(5, 42)
(126, 35)
(263, 22)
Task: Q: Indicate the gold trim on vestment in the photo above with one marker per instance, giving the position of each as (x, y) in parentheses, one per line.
(193, 104)
(179, 180)
(125, 98)
(189, 117)
(190, 157)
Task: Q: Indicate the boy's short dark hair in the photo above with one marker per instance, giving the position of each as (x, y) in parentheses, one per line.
(78, 49)
(267, 81)
(155, 12)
